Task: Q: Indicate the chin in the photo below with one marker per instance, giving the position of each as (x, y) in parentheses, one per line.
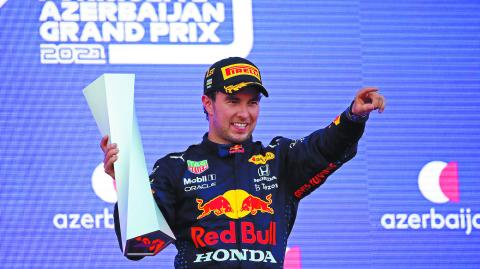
(237, 139)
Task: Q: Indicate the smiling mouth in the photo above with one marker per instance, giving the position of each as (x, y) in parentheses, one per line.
(240, 125)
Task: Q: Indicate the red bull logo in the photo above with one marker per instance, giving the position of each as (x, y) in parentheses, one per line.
(236, 149)
(254, 204)
(153, 246)
(218, 205)
(249, 235)
(235, 204)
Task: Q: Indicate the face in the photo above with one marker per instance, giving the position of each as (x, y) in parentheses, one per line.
(232, 118)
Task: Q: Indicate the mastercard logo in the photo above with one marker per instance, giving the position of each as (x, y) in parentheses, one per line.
(438, 182)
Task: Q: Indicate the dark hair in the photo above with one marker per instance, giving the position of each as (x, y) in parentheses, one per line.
(212, 96)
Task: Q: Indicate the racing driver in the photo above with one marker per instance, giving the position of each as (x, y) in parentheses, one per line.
(231, 202)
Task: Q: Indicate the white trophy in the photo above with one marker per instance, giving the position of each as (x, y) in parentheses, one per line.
(143, 227)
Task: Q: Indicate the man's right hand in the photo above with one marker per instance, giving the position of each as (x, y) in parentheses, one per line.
(111, 155)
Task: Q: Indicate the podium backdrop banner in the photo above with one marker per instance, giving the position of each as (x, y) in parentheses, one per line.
(143, 227)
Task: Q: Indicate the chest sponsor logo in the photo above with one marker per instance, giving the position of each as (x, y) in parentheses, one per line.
(200, 182)
(251, 255)
(249, 235)
(235, 204)
(264, 171)
(197, 167)
(262, 159)
(264, 181)
(236, 149)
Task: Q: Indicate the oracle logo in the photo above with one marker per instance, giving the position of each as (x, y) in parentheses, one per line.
(438, 182)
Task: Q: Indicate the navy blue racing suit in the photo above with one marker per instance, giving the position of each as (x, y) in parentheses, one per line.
(233, 206)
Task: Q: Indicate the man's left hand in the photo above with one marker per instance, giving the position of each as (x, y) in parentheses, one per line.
(367, 100)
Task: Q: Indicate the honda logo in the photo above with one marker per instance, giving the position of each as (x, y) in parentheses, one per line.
(264, 171)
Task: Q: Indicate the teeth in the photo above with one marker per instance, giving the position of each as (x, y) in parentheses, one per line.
(240, 125)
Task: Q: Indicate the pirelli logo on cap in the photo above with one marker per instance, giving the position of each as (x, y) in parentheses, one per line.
(234, 70)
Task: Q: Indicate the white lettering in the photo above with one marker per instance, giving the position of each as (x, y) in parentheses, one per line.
(117, 31)
(206, 257)
(235, 254)
(85, 221)
(49, 10)
(147, 11)
(414, 221)
(68, 13)
(434, 217)
(260, 256)
(452, 221)
(463, 220)
(126, 11)
(88, 12)
(388, 221)
(191, 12)
(158, 29)
(107, 12)
(90, 31)
(209, 11)
(401, 224)
(225, 255)
(177, 12)
(50, 31)
(68, 31)
(108, 219)
(208, 32)
(74, 221)
(60, 221)
(269, 257)
(134, 31)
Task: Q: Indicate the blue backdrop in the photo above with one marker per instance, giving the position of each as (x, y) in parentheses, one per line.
(314, 56)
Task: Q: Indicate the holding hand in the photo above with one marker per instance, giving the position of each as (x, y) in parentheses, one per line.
(111, 155)
(367, 100)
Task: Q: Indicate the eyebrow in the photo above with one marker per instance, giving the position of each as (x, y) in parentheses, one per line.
(234, 98)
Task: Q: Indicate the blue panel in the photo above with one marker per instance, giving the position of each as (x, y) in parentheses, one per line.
(314, 56)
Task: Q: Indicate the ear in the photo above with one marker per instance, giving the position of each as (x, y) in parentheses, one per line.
(207, 104)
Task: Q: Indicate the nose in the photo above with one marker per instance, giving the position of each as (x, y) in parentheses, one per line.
(242, 112)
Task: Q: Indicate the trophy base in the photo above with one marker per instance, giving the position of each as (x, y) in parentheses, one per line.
(148, 244)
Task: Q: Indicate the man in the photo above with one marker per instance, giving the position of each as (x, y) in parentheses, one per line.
(232, 202)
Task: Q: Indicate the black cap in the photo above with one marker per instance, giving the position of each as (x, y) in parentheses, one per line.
(231, 75)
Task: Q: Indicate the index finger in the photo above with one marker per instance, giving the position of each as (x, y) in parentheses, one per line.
(104, 143)
(367, 90)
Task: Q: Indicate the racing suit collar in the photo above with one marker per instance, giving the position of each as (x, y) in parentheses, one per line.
(224, 150)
